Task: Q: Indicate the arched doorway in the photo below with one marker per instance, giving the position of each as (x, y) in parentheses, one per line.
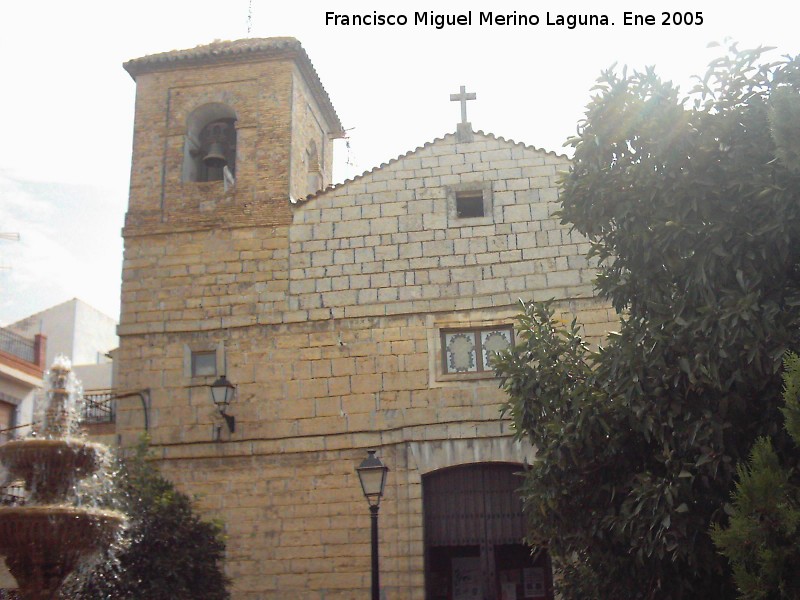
(473, 537)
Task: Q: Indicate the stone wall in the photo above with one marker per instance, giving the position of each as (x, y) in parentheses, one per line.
(390, 242)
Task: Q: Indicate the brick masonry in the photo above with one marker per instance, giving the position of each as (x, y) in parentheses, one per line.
(326, 315)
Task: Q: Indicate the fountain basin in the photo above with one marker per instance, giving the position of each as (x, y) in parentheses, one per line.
(43, 544)
(50, 467)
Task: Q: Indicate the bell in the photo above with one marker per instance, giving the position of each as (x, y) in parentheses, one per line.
(216, 156)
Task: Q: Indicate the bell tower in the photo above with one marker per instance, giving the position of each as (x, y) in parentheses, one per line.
(226, 134)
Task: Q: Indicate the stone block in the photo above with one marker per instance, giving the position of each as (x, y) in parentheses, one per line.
(351, 228)
(383, 225)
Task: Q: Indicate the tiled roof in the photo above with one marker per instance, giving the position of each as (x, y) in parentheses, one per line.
(490, 136)
(237, 51)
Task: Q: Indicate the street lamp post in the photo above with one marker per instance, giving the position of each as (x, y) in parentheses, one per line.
(372, 474)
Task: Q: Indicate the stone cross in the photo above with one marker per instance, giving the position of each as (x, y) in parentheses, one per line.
(462, 97)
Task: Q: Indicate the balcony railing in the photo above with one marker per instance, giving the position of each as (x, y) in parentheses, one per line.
(100, 407)
(11, 433)
(17, 345)
(12, 494)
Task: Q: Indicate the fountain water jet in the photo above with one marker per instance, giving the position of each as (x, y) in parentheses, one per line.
(47, 537)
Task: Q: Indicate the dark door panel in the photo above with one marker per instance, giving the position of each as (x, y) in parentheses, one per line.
(474, 530)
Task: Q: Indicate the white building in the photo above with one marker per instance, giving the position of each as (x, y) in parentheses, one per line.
(81, 333)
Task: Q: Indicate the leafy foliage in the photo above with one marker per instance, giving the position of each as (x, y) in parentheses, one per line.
(171, 555)
(762, 540)
(694, 216)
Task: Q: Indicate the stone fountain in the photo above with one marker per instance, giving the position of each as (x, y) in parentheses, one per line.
(46, 537)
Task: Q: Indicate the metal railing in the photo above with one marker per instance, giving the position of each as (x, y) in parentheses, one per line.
(10, 433)
(12, 494)
(99, 407)
(15, 344)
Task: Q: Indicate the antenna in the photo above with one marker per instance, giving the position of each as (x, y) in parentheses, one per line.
(249, 17)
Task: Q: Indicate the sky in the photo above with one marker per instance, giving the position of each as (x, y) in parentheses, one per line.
(67, 104)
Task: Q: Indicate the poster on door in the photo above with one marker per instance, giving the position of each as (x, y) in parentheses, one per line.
(467, 578)
(508, 591)
(533, 582)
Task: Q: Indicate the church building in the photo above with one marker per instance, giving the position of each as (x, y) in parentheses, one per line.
(341, 318)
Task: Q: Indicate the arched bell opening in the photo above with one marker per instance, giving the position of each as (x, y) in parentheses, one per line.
(313, 169)
(210, 146)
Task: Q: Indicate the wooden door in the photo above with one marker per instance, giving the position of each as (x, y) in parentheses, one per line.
(6, 420)
(474, 528)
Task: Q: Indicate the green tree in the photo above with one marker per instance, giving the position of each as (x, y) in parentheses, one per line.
(170, 554)
(762, 540)
(694, 214)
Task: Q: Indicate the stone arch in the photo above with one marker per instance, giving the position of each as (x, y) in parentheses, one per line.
(212, 123)
(431, 456)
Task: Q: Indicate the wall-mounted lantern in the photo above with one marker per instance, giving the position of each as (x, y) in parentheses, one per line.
(222, 393)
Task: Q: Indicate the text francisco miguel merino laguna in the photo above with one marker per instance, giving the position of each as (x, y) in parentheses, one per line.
(439, 21)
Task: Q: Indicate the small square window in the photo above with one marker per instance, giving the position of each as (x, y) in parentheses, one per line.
(470, 351)
(204, 364)
(469, 205)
